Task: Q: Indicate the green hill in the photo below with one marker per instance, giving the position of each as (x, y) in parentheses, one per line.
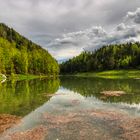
(19, 55)
(112, 57)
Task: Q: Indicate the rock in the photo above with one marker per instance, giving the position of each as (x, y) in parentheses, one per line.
(113, 93)
(37, 133)
(7, 121)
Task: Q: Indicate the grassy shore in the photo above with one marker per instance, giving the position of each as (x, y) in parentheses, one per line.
(113, 74)
(18, 77)
(25, 77)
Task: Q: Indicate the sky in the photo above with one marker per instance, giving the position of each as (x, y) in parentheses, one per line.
(67, 27)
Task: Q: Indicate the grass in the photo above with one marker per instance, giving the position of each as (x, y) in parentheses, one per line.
(25, 77)
(19, 77)
(113, 74)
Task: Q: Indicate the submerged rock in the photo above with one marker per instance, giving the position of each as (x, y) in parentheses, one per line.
(113, 93)
(7, 121)
(81, 125)
(91, 124)
(37, 133)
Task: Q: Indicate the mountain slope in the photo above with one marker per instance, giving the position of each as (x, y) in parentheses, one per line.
(21, 56)
(123, 56)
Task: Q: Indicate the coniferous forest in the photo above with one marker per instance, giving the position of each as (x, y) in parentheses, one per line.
(19, 55)
(123, 56)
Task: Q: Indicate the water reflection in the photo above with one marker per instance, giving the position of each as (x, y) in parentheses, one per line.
(75, 111)
(69, 115)
(94, 86)
(22, 97)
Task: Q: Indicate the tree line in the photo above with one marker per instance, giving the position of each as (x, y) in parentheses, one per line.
(110, 57)
(19, 55)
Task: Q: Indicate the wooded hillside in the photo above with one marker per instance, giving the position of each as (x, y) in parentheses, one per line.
(123, 56)
(21, 56)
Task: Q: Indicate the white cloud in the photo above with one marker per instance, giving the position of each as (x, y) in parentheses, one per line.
(134, 16)
(72, 44)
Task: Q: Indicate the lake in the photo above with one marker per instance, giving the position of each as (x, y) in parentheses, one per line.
(72, 108)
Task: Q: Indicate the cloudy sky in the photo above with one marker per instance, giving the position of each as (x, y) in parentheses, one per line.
(67, 27)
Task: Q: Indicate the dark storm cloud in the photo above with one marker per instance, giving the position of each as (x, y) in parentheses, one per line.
(45, 20)
(59, 15)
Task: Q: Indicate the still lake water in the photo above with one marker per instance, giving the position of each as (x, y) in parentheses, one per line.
(59, 104)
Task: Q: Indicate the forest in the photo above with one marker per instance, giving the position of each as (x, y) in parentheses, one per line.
(111, 57)
(19, 55)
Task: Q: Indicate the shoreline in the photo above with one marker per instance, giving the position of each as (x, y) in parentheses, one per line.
(19, 77)
(110, 74)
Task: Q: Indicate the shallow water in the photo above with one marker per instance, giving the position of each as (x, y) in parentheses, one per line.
(22, 97)
(71, 108)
